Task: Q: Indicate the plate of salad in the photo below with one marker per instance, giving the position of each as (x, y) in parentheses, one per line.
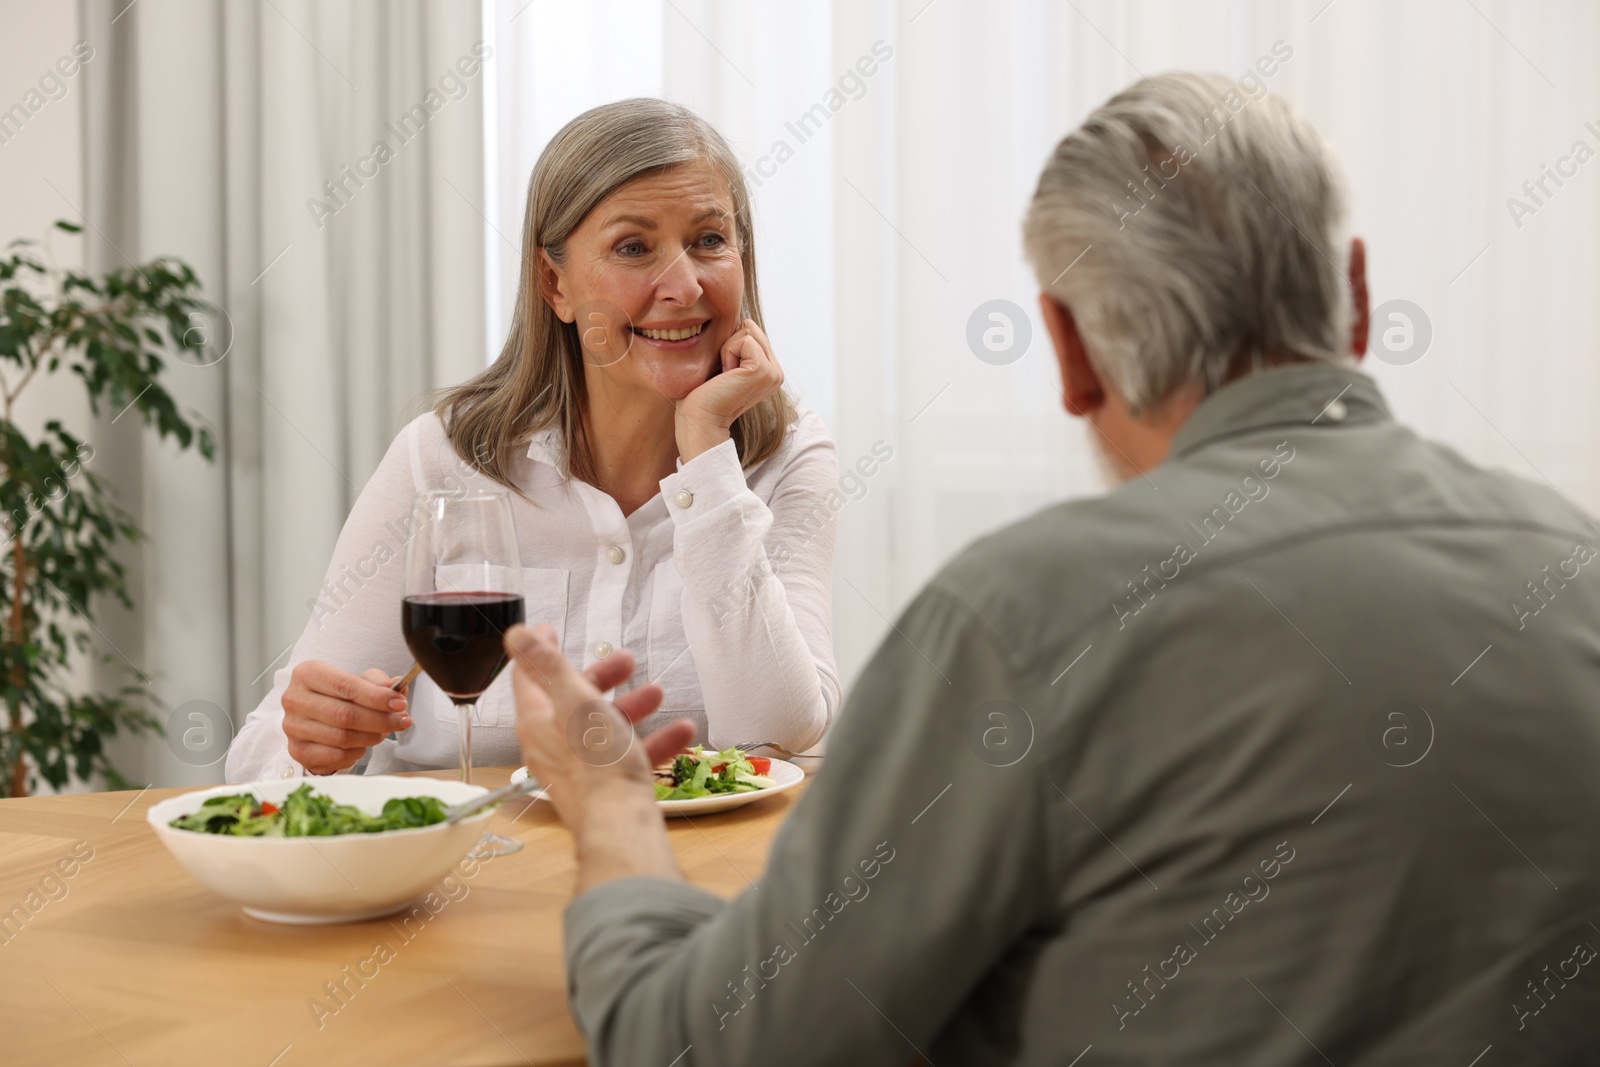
(701, 780)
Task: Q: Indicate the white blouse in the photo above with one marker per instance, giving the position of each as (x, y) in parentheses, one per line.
(720, 585)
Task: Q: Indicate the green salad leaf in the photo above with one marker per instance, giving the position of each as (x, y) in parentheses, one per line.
(305, 813)
(699, 773)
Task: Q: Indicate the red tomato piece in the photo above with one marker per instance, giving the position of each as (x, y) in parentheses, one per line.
(760, 765)
(269, 808)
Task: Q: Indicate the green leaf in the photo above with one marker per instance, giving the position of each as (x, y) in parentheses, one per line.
(70, 227)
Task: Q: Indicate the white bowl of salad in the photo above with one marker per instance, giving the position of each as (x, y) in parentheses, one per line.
(324, 850)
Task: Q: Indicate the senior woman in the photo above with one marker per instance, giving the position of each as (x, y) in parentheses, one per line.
(669, 497)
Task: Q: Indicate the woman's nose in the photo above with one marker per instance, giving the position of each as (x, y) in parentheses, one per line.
(680, 281)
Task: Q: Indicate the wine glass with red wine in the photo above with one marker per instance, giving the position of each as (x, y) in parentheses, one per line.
(463, 591)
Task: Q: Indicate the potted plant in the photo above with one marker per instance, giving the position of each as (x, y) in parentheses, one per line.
(59, 525)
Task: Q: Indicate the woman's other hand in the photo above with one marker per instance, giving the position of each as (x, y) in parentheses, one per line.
(750, 374)
(331, 716)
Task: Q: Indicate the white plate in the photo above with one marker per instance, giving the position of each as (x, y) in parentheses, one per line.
(784, 775)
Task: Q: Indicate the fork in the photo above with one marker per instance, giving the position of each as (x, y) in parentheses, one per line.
(750, 746)
(400, 687)
(499, 796)
(410, 676)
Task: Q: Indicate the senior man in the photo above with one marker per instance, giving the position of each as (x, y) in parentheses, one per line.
(1285, 750)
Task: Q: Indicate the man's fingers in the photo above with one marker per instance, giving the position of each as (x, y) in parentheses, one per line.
(534, 711)
(640, 702)
(530, 696)
(537, 653)
(611, 671)
(520, 642)
(668, 741)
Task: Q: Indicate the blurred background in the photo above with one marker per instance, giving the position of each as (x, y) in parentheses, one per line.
(891, 146)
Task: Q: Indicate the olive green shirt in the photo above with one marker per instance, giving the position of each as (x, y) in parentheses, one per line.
(1286, 753)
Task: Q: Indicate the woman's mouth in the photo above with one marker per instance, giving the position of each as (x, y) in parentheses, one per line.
(672, 335)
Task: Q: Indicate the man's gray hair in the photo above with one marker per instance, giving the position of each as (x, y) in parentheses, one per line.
(1209, 218)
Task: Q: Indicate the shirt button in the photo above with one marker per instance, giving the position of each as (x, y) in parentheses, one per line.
(602, 649)
(683, 498)
(615, 554)
(288, 772)
(1336, 411)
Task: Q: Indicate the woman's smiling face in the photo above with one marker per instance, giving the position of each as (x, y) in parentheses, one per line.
(654, 280)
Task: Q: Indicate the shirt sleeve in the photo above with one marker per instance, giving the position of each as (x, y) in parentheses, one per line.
(354, 622)
(758, 602)
(916, 858)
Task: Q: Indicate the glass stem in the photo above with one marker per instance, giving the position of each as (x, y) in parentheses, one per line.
(464, 711)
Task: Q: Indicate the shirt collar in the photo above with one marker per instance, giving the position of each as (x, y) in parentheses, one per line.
(546, 446)
(1325, 394)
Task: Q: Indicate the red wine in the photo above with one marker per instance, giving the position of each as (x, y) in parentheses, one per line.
(459, 638)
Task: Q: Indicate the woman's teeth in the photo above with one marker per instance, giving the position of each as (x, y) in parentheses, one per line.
(671, 335)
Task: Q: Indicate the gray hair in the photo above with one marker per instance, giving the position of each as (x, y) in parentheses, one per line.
(1209, 219)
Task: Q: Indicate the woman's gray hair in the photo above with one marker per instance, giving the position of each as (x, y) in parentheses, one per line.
(1208, 215)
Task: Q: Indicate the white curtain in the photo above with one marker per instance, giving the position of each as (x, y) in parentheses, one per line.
(897, 214)
(210, 131)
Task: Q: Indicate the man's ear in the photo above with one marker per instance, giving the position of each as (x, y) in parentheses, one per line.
(1361, 320)
(1081, 391)
(550, 286)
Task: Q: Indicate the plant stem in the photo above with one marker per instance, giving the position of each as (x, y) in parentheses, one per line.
(18, 627)
(32, 368)
(49, 341)
(19, 561)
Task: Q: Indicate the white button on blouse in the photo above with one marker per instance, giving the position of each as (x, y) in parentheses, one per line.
(726, 604)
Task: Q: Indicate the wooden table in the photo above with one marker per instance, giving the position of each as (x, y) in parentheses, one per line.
(131, 961)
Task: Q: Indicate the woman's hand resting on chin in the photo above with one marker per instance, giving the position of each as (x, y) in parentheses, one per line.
(750, 374)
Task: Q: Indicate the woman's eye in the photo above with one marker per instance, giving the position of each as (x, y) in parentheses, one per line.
(712, 240)
(632, 248)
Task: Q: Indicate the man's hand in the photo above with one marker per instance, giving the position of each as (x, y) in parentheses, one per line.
(585, 751)
(750, 374)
